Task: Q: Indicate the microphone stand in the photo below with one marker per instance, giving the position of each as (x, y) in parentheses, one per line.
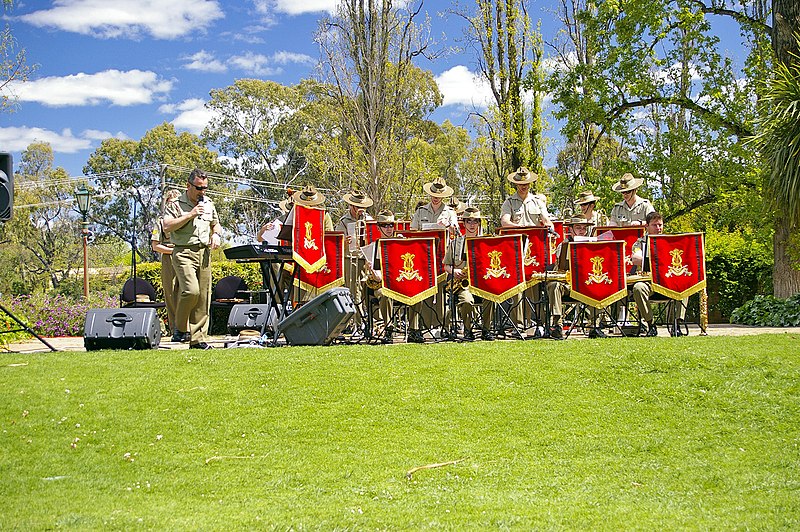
(451, 288)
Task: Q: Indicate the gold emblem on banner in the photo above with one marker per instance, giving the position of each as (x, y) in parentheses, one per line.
(308, 241)
(677, 268)
(408, 273)
(496, 270)
(598, 276)
(529, 260)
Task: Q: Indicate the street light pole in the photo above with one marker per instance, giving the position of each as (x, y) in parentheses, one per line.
(82, 197)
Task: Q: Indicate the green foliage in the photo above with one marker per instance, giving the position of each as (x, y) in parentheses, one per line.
(653, 433)
(251, 273)
(769, 311)
(738, 267)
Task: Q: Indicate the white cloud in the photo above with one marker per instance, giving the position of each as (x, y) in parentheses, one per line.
(95, 134)
(295, 7)
(256, 64)
(461, 87)
(284, 58)
(133, 87)
(18, 139)
(204, 62)
(192, 115)
(163, 19)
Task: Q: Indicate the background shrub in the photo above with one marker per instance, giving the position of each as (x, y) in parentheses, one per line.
(769, 311)
(738, 267)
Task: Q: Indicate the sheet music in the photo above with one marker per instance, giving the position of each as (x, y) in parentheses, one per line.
(369, 253)
(427, 226)
(270, 236)
(608, 235)
(351, 231)
(586, 238)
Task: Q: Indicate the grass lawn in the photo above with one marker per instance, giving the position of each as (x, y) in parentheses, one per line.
(664, 433)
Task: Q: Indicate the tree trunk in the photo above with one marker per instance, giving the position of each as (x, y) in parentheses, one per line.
(786, 22)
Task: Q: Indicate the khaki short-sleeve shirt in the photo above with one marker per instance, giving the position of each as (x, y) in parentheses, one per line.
(196, 231)
(527, 212)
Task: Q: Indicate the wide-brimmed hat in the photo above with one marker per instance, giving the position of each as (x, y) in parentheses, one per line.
(438, 188)
(308, 197)
(627, 182)
(384, 217)
(357, 199)
(472, 213)
(586, 197)
(457, 205)
(522, 176)
(285, 205)
(579, 220)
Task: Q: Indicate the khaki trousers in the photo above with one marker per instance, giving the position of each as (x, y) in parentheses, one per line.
(641, 294)
(193, 273)
(170, 288)
(555, 294)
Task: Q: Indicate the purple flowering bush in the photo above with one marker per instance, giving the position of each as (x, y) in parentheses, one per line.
(54, 315)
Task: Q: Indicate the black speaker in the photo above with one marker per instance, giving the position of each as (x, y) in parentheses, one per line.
(250, 316)
(320, 320)
(6, 186)
(121, 328)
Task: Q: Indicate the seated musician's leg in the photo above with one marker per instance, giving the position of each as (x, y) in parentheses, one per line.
(487, 315)
(555, 294)
(641, 295)
(466, 304)
(594, 315)
(414, 334)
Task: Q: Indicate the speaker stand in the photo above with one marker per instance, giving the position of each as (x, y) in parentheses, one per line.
(24, 328)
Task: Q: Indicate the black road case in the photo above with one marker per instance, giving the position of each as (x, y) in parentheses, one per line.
(320, 320)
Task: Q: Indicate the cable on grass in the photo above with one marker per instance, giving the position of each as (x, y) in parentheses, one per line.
(431, 466)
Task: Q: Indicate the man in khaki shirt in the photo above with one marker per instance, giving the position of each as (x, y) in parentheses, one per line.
(353, 225)
(632, 210)
(194, 229)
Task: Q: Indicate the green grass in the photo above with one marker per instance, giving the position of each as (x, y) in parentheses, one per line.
(684, 433)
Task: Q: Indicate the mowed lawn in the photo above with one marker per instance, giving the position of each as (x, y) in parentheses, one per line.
(647, 434)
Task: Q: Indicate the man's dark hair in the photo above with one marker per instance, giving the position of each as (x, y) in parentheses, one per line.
(197, 173)
(655, 215)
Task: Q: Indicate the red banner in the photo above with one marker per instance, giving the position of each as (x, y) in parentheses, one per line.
(440, 235)
(307, 236)
(331, 274)
(494, 265)
(537, 250)
(678, 264)
(597, 272)
(402, 225)
(629, 234)
(409, 276)
(372, 232)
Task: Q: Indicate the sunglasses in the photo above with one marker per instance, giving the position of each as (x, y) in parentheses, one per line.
(198, 188)
(386, 225)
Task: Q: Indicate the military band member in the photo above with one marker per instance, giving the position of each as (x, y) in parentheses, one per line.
(556, 290)
(353, 225)
(194, 229)
(436, 211)
(632, 210)
(587, 202)
(640, 255)
(524, 209)
(455, 263)
(160, 243)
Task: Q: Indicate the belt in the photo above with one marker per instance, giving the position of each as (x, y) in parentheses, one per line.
(193, 247)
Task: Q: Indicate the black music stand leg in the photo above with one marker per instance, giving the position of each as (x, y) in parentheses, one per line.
(24, 328)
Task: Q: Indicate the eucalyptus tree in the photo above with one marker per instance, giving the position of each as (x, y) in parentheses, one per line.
(14, 67)
(509, 55)
(41, 242)
(128, 177)
(368, 48)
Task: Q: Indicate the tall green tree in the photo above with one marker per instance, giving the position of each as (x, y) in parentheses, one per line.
(368, 49)
(42, 240)
(129, 175)
(510, 60)
(14, 67)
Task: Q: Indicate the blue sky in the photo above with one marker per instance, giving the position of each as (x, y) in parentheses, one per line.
(117, 68)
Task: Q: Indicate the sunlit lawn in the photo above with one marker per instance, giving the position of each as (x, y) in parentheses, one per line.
(697, 433)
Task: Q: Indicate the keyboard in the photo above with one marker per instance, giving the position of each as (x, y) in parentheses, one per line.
(259, 252)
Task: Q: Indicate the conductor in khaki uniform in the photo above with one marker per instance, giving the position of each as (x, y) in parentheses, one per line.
(194, 229)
